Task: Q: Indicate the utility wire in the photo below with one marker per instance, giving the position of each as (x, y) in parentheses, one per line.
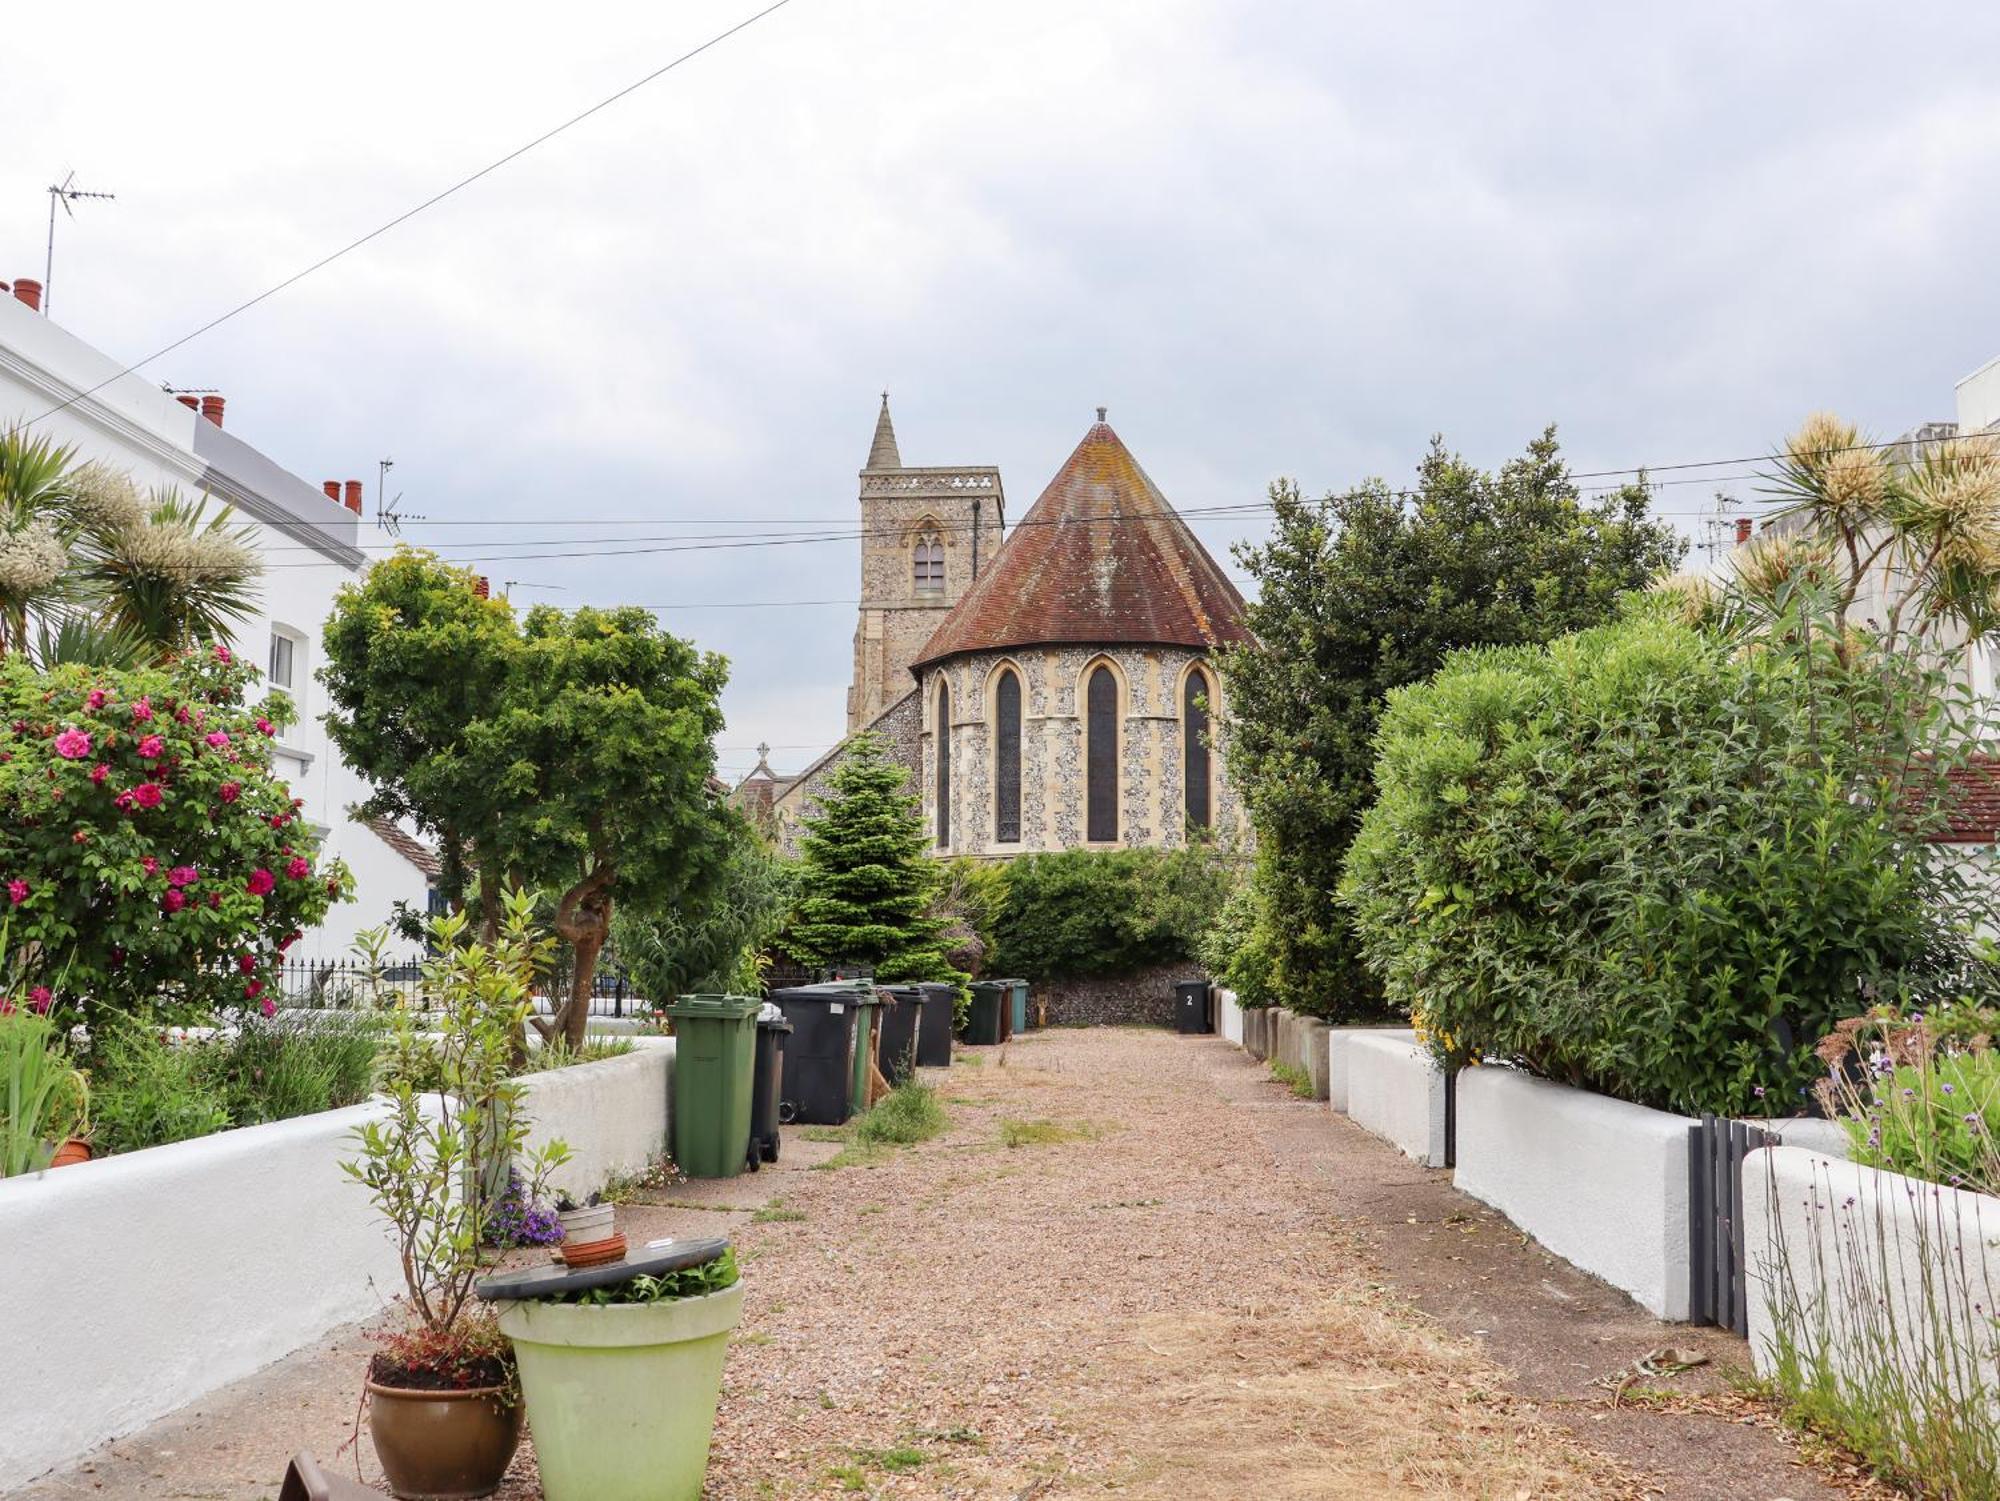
(411, 213)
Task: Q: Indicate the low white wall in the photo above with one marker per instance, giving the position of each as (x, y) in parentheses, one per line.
(139, 1283)
(1853, 1252)
(1395, 1091)
(1228, 1017)
(1340, 1057)
(1602, 1183)
(615, 1114)
(1312, 1048)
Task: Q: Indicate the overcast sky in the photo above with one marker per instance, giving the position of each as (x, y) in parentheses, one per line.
(1274, 238)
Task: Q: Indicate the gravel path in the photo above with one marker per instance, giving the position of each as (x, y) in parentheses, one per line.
(1132, 1265)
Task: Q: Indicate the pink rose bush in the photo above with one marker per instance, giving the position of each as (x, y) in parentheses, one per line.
(140, 828)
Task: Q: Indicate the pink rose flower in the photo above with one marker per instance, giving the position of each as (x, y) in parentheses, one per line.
(151, 748)
(17, 891)
(174, 900)
(217, 738)
(147, 794)
(123, 800)
(72, 744)
(254, 989)
(222, 654)
(265, 727)
(39, 1000)
(247, 963)
(181, 714)
(99, 772)
(299, 869)
(229, 791)
(143, 709)
(151, 866)
(183, 875)
(277, 820)
(268, 1006)
(261, 881)
(215, 899)
(96, 699)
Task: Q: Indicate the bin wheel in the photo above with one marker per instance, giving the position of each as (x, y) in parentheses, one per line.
(755, 1160)
(771, 1148)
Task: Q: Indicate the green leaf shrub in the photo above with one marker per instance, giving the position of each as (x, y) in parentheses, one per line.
(149, 856)
(1659, 862)
(1075, 914)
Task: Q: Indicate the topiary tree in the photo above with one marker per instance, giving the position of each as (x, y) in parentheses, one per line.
(149, 857)
(866, 883)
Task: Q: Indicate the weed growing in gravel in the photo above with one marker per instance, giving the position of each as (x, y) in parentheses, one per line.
(910, 1113)
(1297, 1080)
(854, 1154)
(1043, 1133)
(775, 1213)
(850, 1477)
(823, 1133)
(898, 1461)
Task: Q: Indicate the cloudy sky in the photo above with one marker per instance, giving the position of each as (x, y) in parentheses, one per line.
(1275, 238)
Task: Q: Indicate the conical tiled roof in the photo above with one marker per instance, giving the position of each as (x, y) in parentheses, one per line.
(882, 453)
(1100, 560)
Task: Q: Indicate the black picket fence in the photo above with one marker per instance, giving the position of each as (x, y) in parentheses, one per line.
(337, 984)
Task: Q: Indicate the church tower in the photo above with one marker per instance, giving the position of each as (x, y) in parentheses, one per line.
(927, 534)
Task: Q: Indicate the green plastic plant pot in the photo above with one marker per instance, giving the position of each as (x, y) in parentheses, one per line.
(621, 1399)
(715, 1052)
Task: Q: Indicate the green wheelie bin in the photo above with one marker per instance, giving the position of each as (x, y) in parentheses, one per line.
(866, 1003)
(715, 1058)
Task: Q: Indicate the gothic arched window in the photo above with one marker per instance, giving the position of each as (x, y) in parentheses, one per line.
(1100, 784)
(1007, 757)
(943, 742)
(1196, 696)
(927, 565)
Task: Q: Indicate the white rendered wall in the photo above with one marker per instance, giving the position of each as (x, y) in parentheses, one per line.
(131, 424)
(1820, 1231)
(613, 1114)
(1340, 1056)
(1600, 1182)
(146, 1280)
(1228, 1017)
(1395, 1091)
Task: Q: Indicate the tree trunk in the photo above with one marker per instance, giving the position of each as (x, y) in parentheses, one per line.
(583, 918)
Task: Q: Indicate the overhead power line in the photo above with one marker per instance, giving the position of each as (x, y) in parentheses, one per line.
(411, 213)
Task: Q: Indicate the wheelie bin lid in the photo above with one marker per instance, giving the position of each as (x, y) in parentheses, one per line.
(719, 1007)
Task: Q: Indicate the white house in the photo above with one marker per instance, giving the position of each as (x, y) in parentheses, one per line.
(310, 544)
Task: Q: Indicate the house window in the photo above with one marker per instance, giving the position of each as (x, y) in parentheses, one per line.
(1101, 756)
(282, 663)
(929, 564)
(943, 741)
(1196, 696)
(1007, 758)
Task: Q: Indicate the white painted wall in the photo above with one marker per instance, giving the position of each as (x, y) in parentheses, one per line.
(615, 1115)
(1819, 1230)
(1228, 1017)
(133, 425)
(143, 1281)
(1340, 1057)
(1600, 1182)
(1395, 1091)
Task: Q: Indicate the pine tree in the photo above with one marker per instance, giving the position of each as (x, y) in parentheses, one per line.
(866, 887)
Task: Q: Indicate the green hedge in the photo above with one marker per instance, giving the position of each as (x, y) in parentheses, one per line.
(1085, 913)
(1656, 862)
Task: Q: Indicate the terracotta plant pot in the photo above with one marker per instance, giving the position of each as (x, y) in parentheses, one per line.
(71, 1152)
(593, 1252)
(443, 1446)
(591, 1223)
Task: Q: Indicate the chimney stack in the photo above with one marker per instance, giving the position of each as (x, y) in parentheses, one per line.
(192, 403)
(211, 408)
(354, 496)
(1742, 530)
(482, 588)
(29, 291)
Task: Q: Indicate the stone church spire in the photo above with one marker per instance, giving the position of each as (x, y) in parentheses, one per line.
(882, 452)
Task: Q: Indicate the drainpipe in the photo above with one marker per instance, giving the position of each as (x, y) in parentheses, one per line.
(975, 537)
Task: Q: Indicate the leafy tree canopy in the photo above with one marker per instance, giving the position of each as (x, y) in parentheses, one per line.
(1367, 591)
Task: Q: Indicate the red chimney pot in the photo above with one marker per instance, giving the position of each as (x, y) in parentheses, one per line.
(354, 496)
(482, 588)
(29, 291)
(192, 403)
(211, 408)
(1742, 530)
(332, 488)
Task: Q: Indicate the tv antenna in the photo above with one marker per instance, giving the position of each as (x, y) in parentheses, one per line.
(66, 193)
(387, 516)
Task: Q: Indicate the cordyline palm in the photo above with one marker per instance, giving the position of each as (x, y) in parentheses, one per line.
(165, 572)
(36, 532)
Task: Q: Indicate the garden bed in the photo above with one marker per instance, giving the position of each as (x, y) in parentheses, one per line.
(1396, 1091)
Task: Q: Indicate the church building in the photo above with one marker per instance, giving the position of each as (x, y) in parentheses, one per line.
(1050, 687)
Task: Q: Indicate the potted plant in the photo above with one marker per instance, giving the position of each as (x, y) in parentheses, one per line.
(43, 1098)
(621, 1369)
(443, 1404)
(592, 1220)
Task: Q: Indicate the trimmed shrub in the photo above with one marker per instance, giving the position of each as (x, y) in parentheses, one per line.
(1655, 862)
(1082, 913)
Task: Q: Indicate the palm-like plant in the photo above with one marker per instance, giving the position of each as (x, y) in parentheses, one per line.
(174, 577)
(35, 531)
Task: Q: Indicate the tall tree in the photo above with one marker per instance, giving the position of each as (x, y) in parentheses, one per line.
(1367, 591)
(867, 883)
